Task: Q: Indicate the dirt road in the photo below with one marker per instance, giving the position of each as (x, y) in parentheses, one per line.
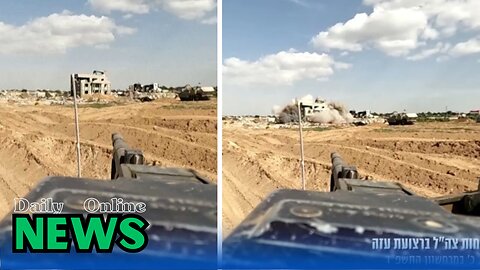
(38, 141)
(429, 158)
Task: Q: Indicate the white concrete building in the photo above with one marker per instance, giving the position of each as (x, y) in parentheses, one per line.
(87, 84)
(311, 106)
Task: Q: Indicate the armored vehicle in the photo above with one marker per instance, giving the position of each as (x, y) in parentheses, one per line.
(402, 118)
(194, 94)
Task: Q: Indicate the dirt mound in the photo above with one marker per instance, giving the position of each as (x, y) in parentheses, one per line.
(470, 149)
(431, 159)
(38, 141)
(99, 97)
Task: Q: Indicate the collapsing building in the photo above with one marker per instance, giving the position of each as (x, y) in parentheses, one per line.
(315, 110)
(310, 106)
(87, 84)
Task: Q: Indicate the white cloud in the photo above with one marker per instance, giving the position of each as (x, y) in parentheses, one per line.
(184, 9)
(189, 9)
(282, 68)
(127, 6)
(387, 30)
(439, 48)
(59, 32)
(402, 27)
(446, 15)
(471, 46)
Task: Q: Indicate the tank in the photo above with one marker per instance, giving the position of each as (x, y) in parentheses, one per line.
(192, 94)
(402, 119)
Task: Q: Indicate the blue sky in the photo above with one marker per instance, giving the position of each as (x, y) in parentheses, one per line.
(383, 55)
(164, 41)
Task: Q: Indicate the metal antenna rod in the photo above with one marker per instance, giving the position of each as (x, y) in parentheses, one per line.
(77, 127)
(302, 162)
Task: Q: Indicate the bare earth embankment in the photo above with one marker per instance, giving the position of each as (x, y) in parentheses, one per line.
(431, 159)
(39, 141)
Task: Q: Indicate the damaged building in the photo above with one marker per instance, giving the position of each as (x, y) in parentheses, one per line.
(314, 110)
(147, 88)
(310, 106)
(87, 84)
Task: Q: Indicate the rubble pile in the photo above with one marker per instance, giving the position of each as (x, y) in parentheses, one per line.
(253, 122)
(266, 122)
(369, 120)
(43, 97)
(46, 97)
(316, 113)
(145, 96)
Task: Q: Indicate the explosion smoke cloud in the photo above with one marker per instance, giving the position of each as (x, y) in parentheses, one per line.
(327, 113)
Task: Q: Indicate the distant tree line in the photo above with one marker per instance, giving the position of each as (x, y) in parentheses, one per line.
(443, 116)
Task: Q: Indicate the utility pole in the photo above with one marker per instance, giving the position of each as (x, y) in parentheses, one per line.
(302, 159)
(77, 127)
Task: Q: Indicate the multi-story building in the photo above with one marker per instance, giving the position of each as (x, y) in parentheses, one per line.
(87, 84)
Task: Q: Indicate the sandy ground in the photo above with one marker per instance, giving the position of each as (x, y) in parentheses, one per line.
(431, 159)
(38, 141)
